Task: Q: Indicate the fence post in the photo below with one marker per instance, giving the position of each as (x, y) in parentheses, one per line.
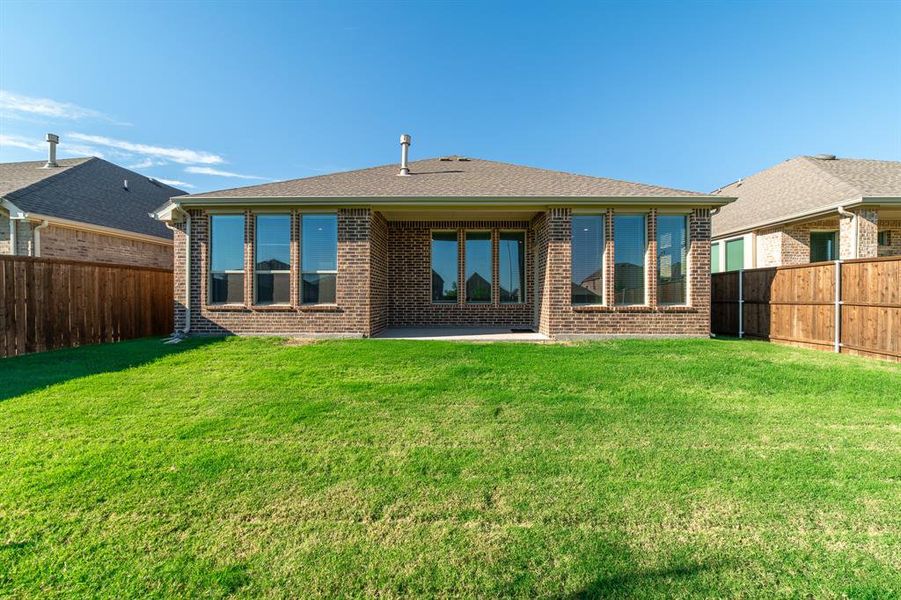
(741, 304)
(838, 306)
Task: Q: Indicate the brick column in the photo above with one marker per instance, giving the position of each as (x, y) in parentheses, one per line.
(558, 268)
(179, 275)
(864, 227)
(699, 259)
(651, 258)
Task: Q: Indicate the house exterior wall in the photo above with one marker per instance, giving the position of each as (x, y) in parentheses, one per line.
(893, 248)
(790, 244)
(384, 280)
(410, 280)
(80, 244)
(560, 319)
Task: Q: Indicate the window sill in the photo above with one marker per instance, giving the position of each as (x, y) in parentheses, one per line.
(677, 308)
(273, 307)
(225, 307)
(318, 308)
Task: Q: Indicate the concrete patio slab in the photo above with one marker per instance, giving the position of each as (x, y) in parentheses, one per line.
(462, 334)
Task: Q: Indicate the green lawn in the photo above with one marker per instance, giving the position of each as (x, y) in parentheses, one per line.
(249, 467)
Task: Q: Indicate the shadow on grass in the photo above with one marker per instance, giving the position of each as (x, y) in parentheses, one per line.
(643, 582)
(22, 374)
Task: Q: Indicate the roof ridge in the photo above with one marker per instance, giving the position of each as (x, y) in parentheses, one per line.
(814, 163)
(37, 185)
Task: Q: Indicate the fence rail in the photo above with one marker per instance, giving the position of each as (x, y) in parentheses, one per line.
(48, 303)
(851, 306)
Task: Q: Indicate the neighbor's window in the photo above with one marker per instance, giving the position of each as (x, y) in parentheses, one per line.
(629, 243)
(715, 258)
(823, 245)
(272, 259)
(735, 254)
(444, 266)
(318, 258)
(512, 265)
(884, 238)
(671, 254)
(227, 259)
(587, 259)
(478, 266)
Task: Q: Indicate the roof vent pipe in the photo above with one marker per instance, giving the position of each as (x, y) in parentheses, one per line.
(405, 140)
(52, 140)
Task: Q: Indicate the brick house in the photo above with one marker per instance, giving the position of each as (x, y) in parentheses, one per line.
(810, 209)
(444, 242)
(83, 209)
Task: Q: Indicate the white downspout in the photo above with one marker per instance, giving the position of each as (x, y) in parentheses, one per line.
(13, 239)
(37, 236)
(854, 223)
(187, 328)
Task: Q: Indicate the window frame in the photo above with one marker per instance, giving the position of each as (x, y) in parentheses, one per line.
(686, 270)
(725, 265)
(209, 262)
(525, 265)
(492, 260)
(836, 237)
(646, 217)
(301, 272)
(432, 300)
(289, 270)
(604, 224)
(716, 250)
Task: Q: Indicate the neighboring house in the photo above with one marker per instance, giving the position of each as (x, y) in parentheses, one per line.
(810, 209)
(83, 209)
(443, 242)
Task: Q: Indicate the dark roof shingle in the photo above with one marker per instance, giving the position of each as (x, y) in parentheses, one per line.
(88, 190)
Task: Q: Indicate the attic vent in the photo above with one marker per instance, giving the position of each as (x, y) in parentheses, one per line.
(825, 157)
(446, 158)
(462, 159)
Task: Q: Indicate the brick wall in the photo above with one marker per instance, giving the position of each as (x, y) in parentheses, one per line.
(384, 280)
(796, 240)
(350, 315)
(559, 318)
(894, 246)
(410, 279)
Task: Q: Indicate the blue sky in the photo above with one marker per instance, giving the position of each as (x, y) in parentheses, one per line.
(689, 95)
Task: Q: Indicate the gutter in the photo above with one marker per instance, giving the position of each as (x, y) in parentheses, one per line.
(187, 217)
(36, 232)
(844, 213)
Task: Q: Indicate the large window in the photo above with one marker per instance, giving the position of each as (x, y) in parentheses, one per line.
(444, 266)
(319, 258)
(715, 258)
(272, 259)
(735, 254)
(478, 266)
(227, 259)
(671, 254)
(587, 259)
(823, 245)
(512, 265)
(629, 242)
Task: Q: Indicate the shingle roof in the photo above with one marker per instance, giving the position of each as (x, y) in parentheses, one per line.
(449, 177)
(802, 185)
(88, 190)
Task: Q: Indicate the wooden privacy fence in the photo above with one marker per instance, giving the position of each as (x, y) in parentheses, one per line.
(48, 303)
(802, 305)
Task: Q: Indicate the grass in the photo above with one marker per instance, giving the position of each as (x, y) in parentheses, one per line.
(251, 467)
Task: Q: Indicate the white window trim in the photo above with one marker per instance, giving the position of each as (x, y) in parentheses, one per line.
(301, 272)
(525, 268)
(604, 299)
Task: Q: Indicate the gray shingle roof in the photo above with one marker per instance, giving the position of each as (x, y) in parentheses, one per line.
(804, 185)
(449, 177)
(88, 190)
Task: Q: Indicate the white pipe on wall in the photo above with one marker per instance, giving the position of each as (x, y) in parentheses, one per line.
(37, 237)
(187, 216)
